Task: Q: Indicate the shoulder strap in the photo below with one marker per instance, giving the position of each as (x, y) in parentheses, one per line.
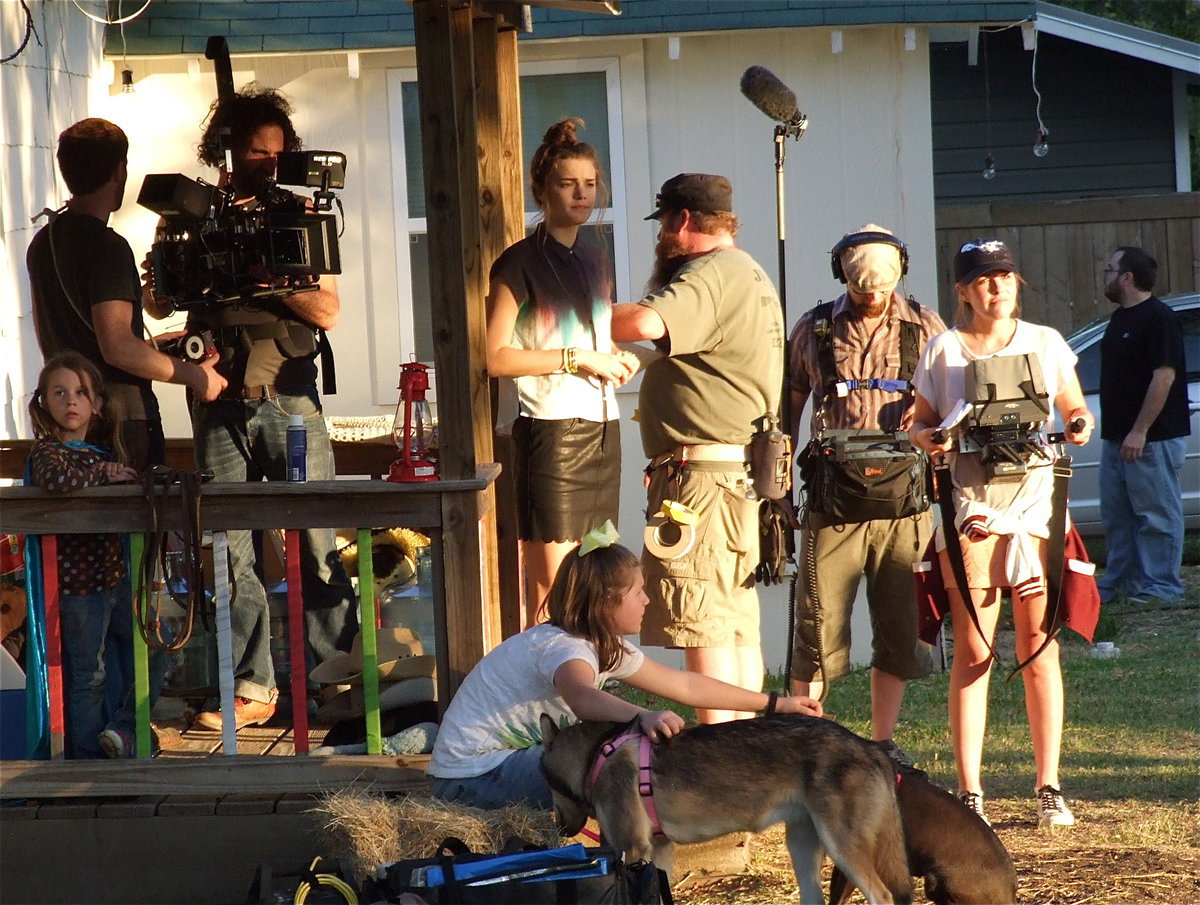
(958, 568)
(1055, 559)
(910, 344)
(822, 316)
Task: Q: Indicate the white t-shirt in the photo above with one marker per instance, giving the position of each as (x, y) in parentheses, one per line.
(498, 708)
(941, 379)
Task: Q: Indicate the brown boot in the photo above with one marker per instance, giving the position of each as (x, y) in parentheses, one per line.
(246, 713)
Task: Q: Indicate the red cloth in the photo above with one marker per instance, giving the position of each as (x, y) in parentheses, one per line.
(1079, 607)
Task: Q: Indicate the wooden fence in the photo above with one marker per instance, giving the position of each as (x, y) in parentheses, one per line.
(1062, 246)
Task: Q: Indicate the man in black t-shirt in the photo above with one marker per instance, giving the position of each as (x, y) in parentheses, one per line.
(87, 292)
(1144, 425)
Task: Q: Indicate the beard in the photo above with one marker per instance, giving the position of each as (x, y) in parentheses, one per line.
(1112, 292)
(866, 306)
(669, 255)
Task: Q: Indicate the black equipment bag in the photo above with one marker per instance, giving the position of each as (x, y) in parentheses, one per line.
(571, 875)
(856, 476)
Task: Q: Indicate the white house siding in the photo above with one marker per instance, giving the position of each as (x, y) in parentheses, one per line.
(57, 79)
(866, 157)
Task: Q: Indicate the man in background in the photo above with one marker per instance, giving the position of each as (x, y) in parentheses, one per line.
(1144, 425)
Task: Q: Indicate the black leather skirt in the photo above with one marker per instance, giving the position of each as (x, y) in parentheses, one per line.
(568, 477)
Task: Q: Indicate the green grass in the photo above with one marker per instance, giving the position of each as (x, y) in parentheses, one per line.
(1131, 722)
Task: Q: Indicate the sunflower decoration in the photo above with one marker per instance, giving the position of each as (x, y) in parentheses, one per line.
(393, 556)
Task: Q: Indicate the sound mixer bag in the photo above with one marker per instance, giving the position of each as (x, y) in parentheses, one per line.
(855, 476)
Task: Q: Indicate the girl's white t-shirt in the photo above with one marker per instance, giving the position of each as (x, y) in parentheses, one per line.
(497, 709)
(941, 379)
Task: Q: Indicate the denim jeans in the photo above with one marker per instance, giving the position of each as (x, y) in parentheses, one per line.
(517, 780)
(1141, 506)
(246, 440)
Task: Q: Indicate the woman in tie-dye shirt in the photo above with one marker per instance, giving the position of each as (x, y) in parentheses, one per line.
(549, 312)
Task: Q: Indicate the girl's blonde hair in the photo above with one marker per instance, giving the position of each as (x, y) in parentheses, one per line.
(104, 428)
(560, 143)
(585, 595)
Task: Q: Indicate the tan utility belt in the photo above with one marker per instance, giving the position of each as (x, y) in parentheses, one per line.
(702, 452)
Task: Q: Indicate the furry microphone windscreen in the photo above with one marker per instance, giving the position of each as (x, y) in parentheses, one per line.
(771, 96)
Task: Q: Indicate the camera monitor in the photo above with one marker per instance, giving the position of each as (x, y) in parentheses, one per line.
(1007, 391)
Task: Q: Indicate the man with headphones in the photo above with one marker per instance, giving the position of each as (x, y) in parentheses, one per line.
(855, 356)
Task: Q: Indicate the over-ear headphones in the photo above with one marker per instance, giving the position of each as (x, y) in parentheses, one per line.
(866, 238)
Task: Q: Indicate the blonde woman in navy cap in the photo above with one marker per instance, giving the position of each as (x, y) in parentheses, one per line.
(1003, 507)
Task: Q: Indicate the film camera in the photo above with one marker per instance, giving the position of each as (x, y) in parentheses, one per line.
(1010, 407)
(210, 251)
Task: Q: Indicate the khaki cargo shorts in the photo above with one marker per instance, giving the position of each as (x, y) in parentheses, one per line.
(705, 597)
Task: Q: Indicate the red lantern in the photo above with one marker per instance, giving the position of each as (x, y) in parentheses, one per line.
(412, 428)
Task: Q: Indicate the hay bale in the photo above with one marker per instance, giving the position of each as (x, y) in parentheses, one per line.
(368, 828)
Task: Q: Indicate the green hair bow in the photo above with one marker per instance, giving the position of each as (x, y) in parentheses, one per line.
(604, 536)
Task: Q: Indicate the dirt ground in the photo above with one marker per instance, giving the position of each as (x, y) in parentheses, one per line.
(1079, 866)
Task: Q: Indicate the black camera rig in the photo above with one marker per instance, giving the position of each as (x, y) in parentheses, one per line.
(210, 251)
(1008, 416)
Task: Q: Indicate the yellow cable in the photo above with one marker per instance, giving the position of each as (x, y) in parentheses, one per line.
(344, 889)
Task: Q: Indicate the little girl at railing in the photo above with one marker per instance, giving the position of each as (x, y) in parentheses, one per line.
(78, 446)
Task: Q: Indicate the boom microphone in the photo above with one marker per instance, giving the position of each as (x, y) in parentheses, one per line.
(771, 96)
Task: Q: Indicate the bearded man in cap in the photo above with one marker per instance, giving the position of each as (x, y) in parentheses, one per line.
(870, 338)
(714, 315)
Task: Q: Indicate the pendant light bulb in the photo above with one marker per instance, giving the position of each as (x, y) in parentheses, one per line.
(127, 81)
(1041, 147)
(989, 167)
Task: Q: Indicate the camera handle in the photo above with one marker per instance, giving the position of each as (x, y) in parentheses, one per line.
(1073, 427)
(323, 198)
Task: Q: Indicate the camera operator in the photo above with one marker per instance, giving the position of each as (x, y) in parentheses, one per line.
(268, 348)
(86, 293)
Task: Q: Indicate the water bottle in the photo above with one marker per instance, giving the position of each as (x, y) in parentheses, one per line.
(297, 449)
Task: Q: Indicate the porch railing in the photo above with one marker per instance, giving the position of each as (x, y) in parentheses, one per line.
(434, 508)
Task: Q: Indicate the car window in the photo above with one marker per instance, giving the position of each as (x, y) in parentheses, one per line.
(1190, 321)
(1088, 366)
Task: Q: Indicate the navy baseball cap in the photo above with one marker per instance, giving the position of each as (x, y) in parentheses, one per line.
(694, 192)
(980, 256)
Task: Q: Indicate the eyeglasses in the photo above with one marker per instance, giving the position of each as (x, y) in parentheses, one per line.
(1116, 270)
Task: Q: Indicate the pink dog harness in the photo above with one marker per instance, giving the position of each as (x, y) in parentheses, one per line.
(645, 789)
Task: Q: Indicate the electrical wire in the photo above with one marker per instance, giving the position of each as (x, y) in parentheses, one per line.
(1033, 76)
(344, 889)
(121, 20)
(29, 30)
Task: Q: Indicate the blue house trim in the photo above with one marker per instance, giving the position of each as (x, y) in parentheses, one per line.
(253, 26)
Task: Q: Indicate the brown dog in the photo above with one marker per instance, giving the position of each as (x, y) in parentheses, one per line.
(834, 791)
(960, 857)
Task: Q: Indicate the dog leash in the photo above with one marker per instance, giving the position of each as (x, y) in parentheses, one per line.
(645, 787)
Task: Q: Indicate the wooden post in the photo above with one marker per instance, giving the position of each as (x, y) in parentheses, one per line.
(297, 663)
(54, 665)
(502, 172)
(140, 600)
(451, 149)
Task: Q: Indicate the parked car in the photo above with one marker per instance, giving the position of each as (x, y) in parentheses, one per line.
(1085, 482)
